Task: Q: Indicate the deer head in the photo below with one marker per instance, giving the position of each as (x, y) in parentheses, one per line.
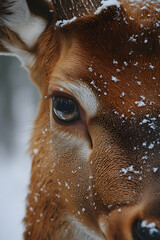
(96, 142)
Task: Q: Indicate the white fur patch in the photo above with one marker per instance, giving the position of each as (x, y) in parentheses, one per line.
(68, 140)
(28, 26)
(26, 58)
(31, 31)
(80, 231)
(83, 94)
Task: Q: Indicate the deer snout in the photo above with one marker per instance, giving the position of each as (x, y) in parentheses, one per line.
(130, 223)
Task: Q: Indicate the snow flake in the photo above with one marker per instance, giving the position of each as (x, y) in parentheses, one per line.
(144, 144)
(144, 121)
(122, 94)
(114, 79)
(151, 66)
(31, 209)
(83, 210)
(94, 85)
(151, 146)
(129, 169)
(155, 169)
(35, 151)
(67, 186)
(140, 103)
(115, 62)
(145, 40)
(119, 210)
(105, 4)
(90, 69)
(125, 63)
(64, 22)
(139, 83)
(132, 39)
(135, 64)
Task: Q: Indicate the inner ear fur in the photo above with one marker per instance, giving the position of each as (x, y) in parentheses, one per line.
(21, 24)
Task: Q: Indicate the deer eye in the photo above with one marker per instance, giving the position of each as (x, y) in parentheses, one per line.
(65, 109)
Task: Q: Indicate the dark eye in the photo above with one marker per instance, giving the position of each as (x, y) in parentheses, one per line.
(65, 109)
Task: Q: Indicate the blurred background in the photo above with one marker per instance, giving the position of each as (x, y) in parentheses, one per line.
(19, 100)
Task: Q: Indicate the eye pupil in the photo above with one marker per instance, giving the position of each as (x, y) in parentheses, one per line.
(65, 109)
(65, 105)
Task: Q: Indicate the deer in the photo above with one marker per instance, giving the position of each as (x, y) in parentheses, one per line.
(95, 145)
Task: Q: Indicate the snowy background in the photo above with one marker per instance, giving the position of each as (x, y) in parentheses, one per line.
(19, 99)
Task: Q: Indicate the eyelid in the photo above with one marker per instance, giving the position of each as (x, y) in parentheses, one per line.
(80, 91)
(60, 90)
(65, 95)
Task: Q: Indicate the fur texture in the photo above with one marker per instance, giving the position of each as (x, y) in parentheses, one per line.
(90, 176)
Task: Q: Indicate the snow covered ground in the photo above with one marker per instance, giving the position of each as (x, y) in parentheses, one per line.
(14, 178)
(15, 163)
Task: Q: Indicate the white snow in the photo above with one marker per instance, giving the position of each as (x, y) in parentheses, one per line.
(83, 210)
(151, 66)
(114, 79)
(35, 151)
(129, 169)
(140, 103)
(90, 69)
(64, 22)
(115, 62)
(15, 164)
(120, 210)
(155, 169)
(105, 4)
(151, 146)
(144, 121)
(139, 83)
(14, 179)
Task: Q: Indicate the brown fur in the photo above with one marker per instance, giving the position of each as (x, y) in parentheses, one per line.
(124, 44)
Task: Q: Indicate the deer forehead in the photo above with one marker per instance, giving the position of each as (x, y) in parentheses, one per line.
(62, 81)
(102, 85)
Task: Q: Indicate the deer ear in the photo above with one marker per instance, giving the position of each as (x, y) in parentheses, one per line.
(21, 24)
